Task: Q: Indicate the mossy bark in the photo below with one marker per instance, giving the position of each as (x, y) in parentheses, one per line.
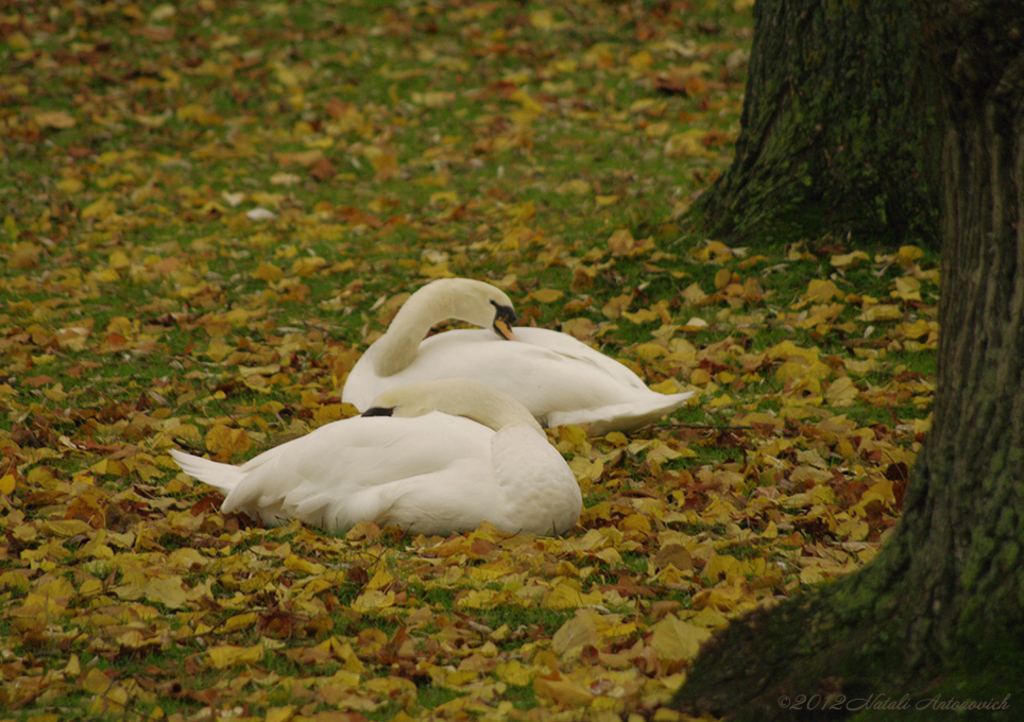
(835, 137)
(940, 611)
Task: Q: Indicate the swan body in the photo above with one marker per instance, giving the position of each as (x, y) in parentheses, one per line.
(558, 378)
(433, 458)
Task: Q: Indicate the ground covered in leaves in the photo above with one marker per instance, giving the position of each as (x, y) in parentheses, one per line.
(211, 209)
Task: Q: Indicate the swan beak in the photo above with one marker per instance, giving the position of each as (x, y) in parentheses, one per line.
(504, 330)
(504, 317)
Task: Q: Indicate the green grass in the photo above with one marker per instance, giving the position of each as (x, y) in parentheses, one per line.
(487, 140)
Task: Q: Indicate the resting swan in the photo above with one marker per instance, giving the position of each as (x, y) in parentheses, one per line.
(559, 379)
(434, 458)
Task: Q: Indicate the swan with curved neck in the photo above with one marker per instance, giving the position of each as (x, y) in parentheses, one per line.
(559, 379)
(475, 302)
(433, 458)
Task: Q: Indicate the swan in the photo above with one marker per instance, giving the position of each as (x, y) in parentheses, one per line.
(558, 378)
(433, 458)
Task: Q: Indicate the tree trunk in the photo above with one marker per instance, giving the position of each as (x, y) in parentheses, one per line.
(940, 611)
(833, 137)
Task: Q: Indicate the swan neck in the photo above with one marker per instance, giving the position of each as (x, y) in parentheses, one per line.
(397, 348)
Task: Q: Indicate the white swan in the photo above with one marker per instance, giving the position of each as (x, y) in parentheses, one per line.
(433, 458)
(559, 379)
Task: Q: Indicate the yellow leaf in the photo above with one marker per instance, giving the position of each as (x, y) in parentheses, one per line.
(436, 270)
(546, 295)
(644, 315)
(279, 714)
(542, 19)
(725, 599)
(908, 288)
(166, 590)
(285, 179)
(218, 350)
(648, 351)
(849, 260)
(96, 682)
(70, 186)
(699, 377)
(565, 595)
(240, 621)
(67, 527)
(381, 579)
(229, 655)
(434, 98)
(668, 386)
(882, 312)
(880, 491)
(7, 484)
(657, 130)
(307, 266)
(305, 158)
(99, 209)
(841, 392)
(908, 254)
(580, 328)
(576, 186)
(798, 368)
(450, 198)
(514, 672)
(562, 690)
(373, 600)
(687, 144)
(641, 60)
(385, 165)
(674, 639)
(73, 337)
(720, 566)
(301, 565)
(821, 291)
(693, 294)
(224, 442)
(58, 119)
(119, 260)
(55, 393)
(267, 272)
(615, 307)
(18, 40)
(579, 631)
(531, 106)
(110, 467)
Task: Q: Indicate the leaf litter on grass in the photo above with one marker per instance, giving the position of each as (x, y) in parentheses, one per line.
(212, 209)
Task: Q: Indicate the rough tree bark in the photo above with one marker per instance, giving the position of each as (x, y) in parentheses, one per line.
(833, 139)
(940, 611)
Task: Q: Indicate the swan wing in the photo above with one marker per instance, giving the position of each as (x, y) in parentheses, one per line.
(350, 470)
(558, 378)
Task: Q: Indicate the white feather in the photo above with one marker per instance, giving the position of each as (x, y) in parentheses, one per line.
(454, 454)
(558, 378)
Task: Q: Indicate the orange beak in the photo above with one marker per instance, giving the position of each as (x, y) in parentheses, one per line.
(504, 330)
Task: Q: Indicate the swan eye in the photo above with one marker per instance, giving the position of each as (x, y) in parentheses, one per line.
(378, 411)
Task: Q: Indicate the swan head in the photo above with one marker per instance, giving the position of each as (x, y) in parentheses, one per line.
(473, 399)
(465, 299)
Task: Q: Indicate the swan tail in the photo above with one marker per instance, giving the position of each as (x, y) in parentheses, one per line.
(224, 477)
(622, 417)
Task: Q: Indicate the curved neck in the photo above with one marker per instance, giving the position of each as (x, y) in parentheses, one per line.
(397, 348)
(427, 307)
(471, 398)
(498, 414)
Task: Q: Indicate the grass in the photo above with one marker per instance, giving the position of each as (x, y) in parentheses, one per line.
(143, 306)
